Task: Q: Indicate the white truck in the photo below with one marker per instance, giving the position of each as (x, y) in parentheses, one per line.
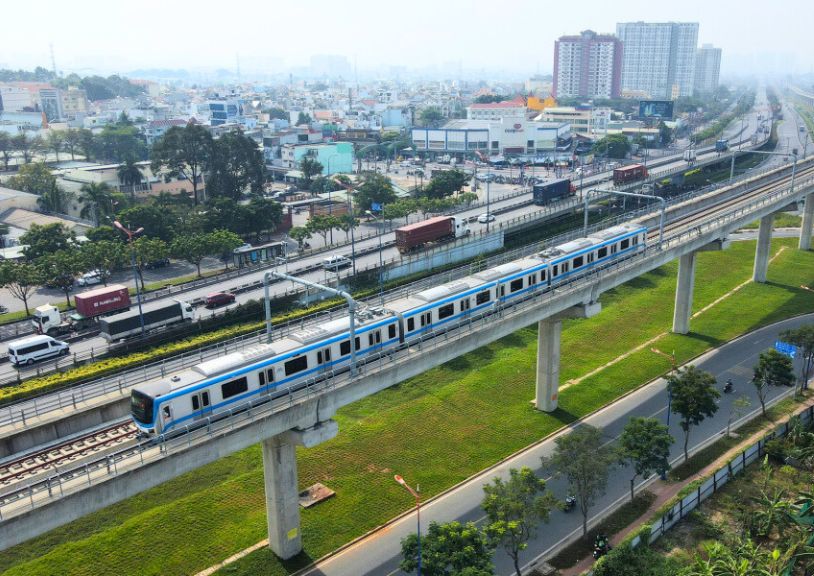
(154, 316)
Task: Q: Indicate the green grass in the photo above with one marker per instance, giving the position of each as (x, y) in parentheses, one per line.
(781, 220)
(461, 418)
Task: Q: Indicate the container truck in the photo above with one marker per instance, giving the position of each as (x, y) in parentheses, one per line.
(554, 190)
(90, 306)
(630, 173)
(156, 315)
(437, 229)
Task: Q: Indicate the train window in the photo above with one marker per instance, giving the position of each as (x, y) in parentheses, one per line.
(391, 331)
(262, 377)
(590, 257)
(542, 275)
(270, 375)
(324, 356)
(555, 270)
(426, 319)
(532, 279)
(195, 404)
(602, 252)
(564, 267)
(483, 297)
(502, 290)
(374, 337)
(205, 399)
(613, 249)
(625, 243)
(319, 357)
(634, 240)
(410, 324)
(344, 348)
(578, 261)
(234, 387)
(166, 411)
(296, 365)
(357, 342)
(516, 285)
(446, 311)
(464, 304)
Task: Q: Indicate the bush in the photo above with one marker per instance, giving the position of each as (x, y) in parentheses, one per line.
(639, 561)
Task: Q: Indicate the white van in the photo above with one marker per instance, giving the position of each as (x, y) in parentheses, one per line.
(35, 348)
(335, 262)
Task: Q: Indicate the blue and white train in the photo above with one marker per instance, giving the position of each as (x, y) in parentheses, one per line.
(257, 374)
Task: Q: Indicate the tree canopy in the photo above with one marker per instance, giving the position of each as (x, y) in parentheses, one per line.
(451, 549)
(693, 398)
(644, 445)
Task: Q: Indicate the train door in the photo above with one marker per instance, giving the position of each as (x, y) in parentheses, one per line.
(324, 358)
(201, 406)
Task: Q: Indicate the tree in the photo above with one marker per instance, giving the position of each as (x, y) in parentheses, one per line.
(21, 278)
(613, 146)
(515, 508)
(401, 208)
(694, 398)
(299, 234)
(739, 407)
(86, 142)
(41, 240)
(60, 268)
(346, 222)
(157, 222)
(148, 250)
(582, 459)
(489, 99)
(303, 118)
(644, 445)
(97, 200)
(445, 183)
(4, 230)
(237, 165)
(54, 199)
(33, 178)
(6, 148)
(773, 369)
(276, 112)
(665, 134)
(23, 144)
(120, 141)
(375, 188)
(129, 174)
(803, 338)
(451, 549)
(431, 116)
(192, 247)
(55, 141)
(263, 216)
(72, 137)
(322, 224)
(222, 242)
(104, 233)
(184, 151)
(309, 167)
(103, 256)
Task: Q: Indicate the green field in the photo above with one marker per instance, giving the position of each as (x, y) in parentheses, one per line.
(436, 429)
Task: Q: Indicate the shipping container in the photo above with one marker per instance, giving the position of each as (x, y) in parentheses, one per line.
(155, 315)
(102, 300)
(436, 229)
(554, 190)
(630, 173)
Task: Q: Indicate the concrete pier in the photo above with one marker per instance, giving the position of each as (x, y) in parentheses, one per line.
(684, 292)
(764, 241)
(808, 220)
(282, 492)
(548, 354)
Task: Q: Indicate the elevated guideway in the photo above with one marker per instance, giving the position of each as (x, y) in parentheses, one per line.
(304, 416)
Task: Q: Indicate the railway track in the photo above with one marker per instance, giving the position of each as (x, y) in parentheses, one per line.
(69, 452)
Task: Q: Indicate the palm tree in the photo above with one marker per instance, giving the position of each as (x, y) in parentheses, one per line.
(97, 199)
(55, 141)
(130, 175)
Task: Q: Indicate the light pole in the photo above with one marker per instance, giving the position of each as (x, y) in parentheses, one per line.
(130, 234)
(417, 497)
(488, 213)
(381, 265)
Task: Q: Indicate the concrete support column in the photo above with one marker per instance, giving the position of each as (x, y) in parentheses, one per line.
(548, 364)
(684, 289)
(764, 242)
(282, 492)
(282, 496)
(808, 220)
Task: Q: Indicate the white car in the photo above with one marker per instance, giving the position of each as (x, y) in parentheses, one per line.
(484, 218)
(90, 278)
(335, 262)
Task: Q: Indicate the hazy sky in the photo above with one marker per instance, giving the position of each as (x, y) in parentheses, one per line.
(516, 35)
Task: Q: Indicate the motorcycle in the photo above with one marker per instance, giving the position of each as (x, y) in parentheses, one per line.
(570, 503)
(601, 546)
(728, 387)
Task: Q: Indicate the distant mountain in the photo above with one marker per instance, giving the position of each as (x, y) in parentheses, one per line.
(164, 73)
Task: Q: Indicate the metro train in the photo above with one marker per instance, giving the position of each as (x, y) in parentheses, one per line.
(238, 380)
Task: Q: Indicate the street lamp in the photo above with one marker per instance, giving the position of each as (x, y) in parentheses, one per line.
(417, 497)
(130, 235)
(381, 265)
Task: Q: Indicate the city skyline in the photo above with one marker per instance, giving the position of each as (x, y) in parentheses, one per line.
(444, 38)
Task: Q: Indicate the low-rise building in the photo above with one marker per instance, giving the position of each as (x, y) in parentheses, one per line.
(335, 157)
(515, 108)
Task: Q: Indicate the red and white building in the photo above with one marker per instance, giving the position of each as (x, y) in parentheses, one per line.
(515, 108)
(588, 66)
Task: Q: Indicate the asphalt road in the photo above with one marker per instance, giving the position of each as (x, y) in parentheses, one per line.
(380, 553)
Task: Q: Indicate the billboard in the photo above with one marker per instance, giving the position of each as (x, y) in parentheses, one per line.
(661, 109)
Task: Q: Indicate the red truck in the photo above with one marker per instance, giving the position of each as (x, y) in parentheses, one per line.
(89, 306)
(413, 236)
(629, 173)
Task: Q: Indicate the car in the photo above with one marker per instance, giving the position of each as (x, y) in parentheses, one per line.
(160, 263)
(90, 278)
(484, 218)
(219, 299)
(336, 261)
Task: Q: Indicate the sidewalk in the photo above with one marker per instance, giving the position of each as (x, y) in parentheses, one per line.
(665, 491)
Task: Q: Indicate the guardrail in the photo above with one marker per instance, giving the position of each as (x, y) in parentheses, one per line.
(74, 479)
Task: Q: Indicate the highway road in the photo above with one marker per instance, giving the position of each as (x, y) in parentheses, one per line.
(380, 553)
(502, 197)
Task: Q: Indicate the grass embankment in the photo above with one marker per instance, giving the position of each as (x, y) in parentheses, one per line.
(459, 418)
(782, 220)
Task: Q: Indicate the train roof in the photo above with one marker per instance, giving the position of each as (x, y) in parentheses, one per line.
(498, 271)
(609, 233)
(325, 330)
(448, 289)
(569, 247)
(236, 359)
(163, 386)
